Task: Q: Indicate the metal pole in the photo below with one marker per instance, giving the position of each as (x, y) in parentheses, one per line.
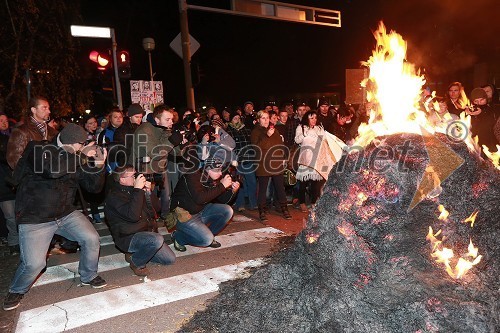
(186, 53)
(28, 81)
(150, 67)
(115, 67)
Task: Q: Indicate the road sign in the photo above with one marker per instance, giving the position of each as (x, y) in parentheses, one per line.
(177, 46)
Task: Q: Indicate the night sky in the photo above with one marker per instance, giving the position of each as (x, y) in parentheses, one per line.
(262, 60)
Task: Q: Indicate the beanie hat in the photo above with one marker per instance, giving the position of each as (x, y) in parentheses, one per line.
(478, 93)
(134, 109)
(232, 115)
(72, 133)
(323, 102)
(213, 163)
(248, 102)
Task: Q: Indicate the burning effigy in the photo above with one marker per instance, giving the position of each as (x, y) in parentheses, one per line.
(403, 239)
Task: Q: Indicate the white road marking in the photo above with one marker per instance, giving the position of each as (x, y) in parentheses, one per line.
(106, 263)
(67, 314)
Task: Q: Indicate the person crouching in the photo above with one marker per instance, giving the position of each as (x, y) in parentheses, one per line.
(131, 210)
(200, 203)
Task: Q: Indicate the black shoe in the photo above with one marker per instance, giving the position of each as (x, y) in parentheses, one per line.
(286, 213)
(139, 271)
(12, 301)
(128, 257)
(96, 283)
(179, 247)
(262, 215)
(215, 244)
(14, 250)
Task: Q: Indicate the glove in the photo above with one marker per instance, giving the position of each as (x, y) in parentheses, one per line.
(176, 138)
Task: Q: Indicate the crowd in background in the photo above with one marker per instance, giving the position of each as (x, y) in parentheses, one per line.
(181, 169)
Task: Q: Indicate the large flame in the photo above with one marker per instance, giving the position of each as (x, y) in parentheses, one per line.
(394, 87)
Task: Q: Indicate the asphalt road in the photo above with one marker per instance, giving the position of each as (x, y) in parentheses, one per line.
(161, 302)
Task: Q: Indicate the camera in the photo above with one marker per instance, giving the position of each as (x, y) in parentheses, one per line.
(150, 177)
(233, 173)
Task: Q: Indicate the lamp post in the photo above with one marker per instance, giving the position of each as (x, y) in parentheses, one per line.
(102, 32)
(149, 45)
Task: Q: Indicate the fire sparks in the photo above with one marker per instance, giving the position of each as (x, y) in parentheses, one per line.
(445, 255)
(471, 219)
(312, 237)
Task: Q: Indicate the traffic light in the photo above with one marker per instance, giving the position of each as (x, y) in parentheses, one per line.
(124, 65)
(102, 60)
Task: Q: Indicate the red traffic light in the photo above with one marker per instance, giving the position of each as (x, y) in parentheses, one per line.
(100, 59)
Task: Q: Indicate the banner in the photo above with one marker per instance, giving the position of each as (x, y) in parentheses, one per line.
(146, 94)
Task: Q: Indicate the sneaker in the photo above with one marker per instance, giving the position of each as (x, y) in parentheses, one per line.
(241, 209)
(262, 215)
(179, 247)
(139, 271)
(96, 283)
(14, 250)
(12, 301)
(286, 214)
(215, 244)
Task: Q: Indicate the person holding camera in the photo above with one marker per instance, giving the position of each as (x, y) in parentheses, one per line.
(199, 202)
(49, 175)
(131, 211)
(483, 118)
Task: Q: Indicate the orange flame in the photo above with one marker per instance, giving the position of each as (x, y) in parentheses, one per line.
(444, 255)
(471, 218)
(394, 88)
(493, 156)
(444, 213)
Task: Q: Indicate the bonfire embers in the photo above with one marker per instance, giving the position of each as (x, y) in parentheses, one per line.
(363, 263)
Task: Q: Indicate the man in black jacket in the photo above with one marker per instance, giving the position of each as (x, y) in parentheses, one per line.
(51, 174)
(199, 219)
(131, 211)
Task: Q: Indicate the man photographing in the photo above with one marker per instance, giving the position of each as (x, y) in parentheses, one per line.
(50, 175)
(200, 203)
(131, 211)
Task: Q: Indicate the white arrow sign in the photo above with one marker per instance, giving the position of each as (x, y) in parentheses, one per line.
(176, 45)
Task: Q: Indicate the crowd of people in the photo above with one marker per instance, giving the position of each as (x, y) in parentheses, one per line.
(185, 171)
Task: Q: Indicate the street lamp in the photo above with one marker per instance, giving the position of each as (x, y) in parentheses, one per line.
(102, 32)
(149, 45)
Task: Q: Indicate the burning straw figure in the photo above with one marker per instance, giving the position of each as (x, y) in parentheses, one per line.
(363, 263)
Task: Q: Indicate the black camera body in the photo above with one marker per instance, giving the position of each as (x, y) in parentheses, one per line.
(231, 171)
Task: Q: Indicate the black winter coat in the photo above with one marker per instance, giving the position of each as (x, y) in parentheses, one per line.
(48, 188)
(192, 193)
(128, 213)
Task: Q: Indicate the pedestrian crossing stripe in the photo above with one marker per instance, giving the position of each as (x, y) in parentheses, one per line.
(66, 315)
(116, 261)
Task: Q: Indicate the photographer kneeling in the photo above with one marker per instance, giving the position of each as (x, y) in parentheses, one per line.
(198, 219)
(131, 211)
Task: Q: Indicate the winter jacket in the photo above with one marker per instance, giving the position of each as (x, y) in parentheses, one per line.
(21, 136)
(193, 192)
(48, 188)
(271, 152)
(128, 213)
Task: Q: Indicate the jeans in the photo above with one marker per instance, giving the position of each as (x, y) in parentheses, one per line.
(249, 186)
(34, 241)
(148, 246)
(8, 209)
(201, 228)
(165, 194)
